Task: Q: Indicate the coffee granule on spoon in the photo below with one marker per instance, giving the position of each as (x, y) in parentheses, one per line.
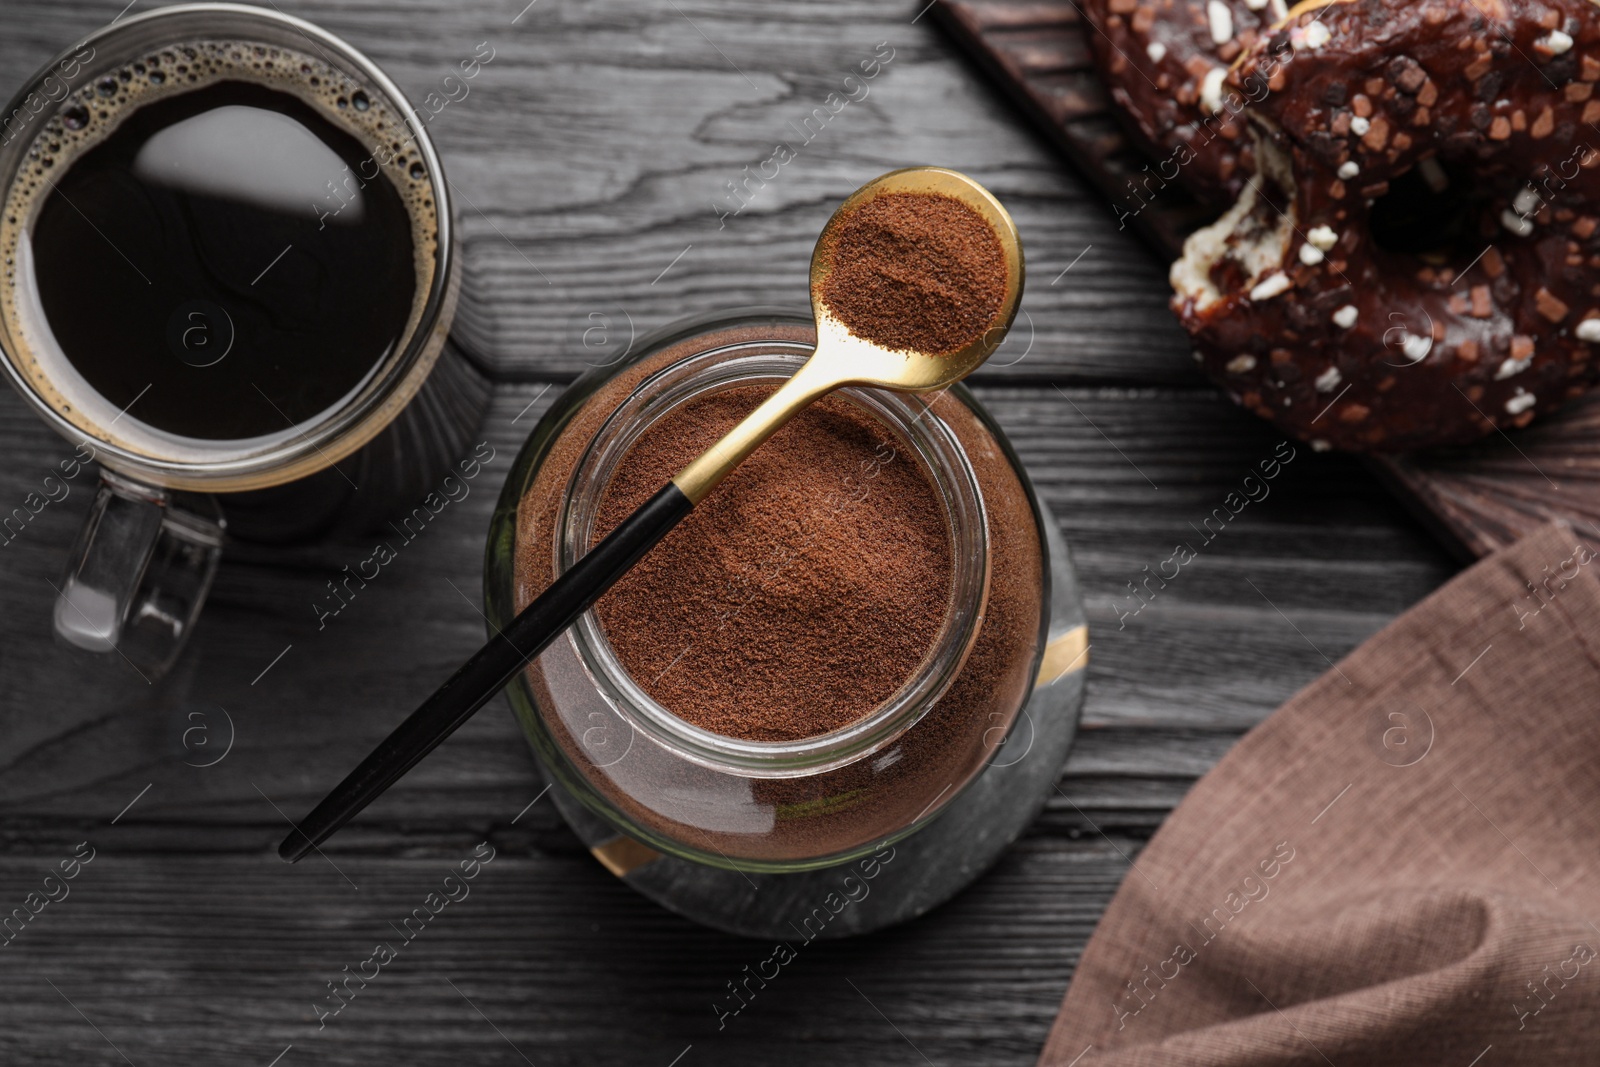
(919, 272)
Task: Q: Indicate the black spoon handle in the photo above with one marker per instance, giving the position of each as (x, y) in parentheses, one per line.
(487, 672)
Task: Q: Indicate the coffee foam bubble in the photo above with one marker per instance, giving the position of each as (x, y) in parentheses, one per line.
(91, 113)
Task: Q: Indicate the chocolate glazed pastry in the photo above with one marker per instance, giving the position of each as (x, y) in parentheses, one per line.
(1415, 261)
(1164, 62)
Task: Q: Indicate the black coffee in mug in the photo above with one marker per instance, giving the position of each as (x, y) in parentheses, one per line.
(228, 269)
(215, 255)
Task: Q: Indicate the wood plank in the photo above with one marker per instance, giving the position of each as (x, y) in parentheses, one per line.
(209, 959)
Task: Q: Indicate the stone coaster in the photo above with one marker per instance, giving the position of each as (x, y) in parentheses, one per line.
(922, 871)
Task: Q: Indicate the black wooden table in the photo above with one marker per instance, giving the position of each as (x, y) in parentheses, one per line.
(592, 160)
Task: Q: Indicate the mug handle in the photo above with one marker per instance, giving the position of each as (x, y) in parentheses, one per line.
(139, 573)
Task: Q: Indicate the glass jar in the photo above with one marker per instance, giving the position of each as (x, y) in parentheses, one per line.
(767, 805)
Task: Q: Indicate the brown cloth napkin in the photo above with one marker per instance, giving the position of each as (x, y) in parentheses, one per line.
(1397, 867)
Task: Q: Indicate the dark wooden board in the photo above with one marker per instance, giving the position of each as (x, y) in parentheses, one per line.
(612, 124)
(1038, 51)
(1476, 499)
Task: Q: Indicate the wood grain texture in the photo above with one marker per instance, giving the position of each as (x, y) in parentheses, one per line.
(1483, 497)
(605, 130)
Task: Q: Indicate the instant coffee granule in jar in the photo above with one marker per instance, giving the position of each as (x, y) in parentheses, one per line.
(798, 597)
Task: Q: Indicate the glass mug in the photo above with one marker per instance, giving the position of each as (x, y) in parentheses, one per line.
(148, 551)
(757, 805)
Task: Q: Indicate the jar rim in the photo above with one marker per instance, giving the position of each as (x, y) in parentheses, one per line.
(943, 460)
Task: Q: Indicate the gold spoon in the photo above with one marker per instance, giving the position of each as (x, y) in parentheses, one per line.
(840, 359)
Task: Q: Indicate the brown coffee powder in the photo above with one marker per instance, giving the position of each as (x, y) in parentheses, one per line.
(799, 596)
(915, 271)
